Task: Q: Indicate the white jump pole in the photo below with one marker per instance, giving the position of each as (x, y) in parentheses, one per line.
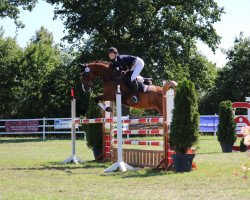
(120, 165)
(170, 105)
(73, 158)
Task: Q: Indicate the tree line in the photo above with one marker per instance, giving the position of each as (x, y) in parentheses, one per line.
(36, 80)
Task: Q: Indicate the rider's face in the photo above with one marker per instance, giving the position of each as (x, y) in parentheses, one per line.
(112, 55)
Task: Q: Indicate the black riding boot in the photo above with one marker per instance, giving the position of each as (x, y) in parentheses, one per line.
(135, 98)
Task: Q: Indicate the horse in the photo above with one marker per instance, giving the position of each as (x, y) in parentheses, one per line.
(151, 99)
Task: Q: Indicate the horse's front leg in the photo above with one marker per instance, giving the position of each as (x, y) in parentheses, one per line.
(99, 100)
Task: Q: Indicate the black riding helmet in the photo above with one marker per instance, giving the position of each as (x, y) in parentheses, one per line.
(112, 50)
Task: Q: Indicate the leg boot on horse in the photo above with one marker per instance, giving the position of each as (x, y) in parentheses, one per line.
(135, 98)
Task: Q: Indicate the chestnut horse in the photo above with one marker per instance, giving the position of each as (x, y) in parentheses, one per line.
(152, 99)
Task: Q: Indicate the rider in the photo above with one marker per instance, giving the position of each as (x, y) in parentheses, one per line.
(124, 62)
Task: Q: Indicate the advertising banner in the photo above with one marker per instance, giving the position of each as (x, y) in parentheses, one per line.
(22, 126)
(63, 124)
(209, 123)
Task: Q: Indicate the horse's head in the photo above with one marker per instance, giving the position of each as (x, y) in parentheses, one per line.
(92, 70)
(87, 76)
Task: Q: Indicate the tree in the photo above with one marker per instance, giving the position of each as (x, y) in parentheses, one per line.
(48, 74)
(40, 59)
(38, 79)
(11, 9)
(233, 82)
(202, 72)
(10, 60)
(56, 90)
(163, 34)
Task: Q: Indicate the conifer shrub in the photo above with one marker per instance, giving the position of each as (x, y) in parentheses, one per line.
(185, 122)
(226, 128)
(93, 131)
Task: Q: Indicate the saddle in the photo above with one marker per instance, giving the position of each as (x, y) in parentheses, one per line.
(143, 83)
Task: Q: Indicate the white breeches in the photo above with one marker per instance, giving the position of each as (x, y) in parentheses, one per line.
(137, 68)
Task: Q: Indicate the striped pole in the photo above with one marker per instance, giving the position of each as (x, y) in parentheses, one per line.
(123, 121)
(144, 143)
(140, 132)
(120, 164)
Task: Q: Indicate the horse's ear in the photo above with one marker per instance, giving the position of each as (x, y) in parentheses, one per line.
(81, 65)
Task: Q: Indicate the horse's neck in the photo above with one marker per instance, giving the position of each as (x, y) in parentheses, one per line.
(102, 71)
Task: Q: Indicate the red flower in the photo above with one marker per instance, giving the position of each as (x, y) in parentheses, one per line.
(194, 166)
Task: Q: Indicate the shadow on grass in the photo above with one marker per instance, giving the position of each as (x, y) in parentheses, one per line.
(204, 153)
(20, 140)
(38, 139)
(94, 164)
(69, 169)
(207, 138)
(140, 173)
(64, 167)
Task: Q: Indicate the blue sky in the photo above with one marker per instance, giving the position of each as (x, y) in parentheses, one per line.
(42, 15)
(233, 22)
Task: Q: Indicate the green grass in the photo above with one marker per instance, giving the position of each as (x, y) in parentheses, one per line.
(32, 169)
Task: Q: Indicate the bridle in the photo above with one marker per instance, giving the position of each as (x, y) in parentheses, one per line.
(83, 72)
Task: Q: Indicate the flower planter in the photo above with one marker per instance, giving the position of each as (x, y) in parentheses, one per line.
(226, 148)
(97, 151)
(183, 162)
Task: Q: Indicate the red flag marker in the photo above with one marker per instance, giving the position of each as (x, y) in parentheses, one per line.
(72, 93)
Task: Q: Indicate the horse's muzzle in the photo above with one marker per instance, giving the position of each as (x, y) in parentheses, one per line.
(86, 88)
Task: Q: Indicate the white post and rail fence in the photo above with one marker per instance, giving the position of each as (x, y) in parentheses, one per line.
(40, 126)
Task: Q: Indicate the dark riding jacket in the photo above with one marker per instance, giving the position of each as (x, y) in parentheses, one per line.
(124, 62)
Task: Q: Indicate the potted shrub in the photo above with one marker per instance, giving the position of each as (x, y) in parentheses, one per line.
(94, 131)
(243, 147)
(184, 126)
(226, 134)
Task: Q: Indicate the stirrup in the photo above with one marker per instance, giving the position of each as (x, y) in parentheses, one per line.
(135, 99)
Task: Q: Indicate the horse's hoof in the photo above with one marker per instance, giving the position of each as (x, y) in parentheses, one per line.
(108, 109)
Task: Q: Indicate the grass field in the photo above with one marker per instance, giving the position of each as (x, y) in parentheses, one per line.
(31, 169)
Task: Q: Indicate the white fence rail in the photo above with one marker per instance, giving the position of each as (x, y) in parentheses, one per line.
(45, 126)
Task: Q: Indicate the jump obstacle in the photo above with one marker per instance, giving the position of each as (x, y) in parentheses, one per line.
(137, 157)
(241, 120)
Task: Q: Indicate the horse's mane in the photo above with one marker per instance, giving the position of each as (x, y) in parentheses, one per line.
(105, 63)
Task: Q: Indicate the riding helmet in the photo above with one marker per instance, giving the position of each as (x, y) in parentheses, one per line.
(112, 49)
